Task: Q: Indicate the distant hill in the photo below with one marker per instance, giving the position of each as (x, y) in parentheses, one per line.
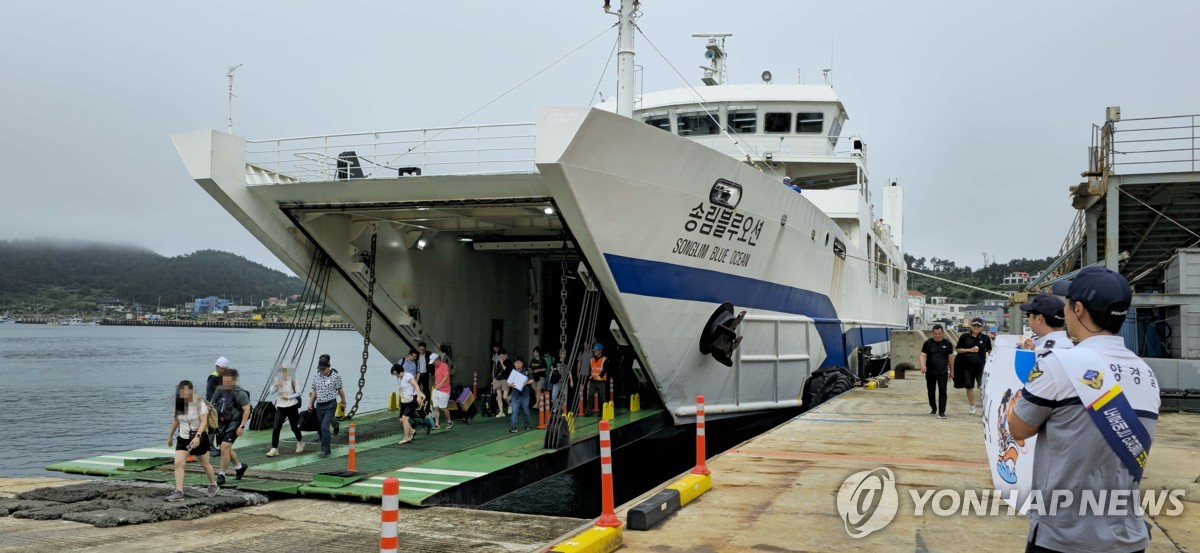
(70, 276)
(989, 277)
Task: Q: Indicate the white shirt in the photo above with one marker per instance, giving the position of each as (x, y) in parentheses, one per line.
(1054, 340)
(189, 421)
(407, 388)
(289, 387)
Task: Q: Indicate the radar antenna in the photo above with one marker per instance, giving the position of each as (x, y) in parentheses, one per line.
(714, 74)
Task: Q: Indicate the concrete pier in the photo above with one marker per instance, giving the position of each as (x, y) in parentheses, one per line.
(282, 525)
(777, 491)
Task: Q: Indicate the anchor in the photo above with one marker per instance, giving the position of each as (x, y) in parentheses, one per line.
(720, 337)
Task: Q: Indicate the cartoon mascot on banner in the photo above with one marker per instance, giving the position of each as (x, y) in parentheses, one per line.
(1004, 378)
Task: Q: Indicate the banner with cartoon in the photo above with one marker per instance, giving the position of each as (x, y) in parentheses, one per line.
(1010, 460)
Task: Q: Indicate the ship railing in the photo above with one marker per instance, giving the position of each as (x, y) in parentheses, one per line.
(1152, 144)
(472, 149)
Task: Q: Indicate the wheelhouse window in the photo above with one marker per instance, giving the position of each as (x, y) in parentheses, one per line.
(663, 122)
(810, 122)
(835, 129)
(777, 122)
(743, 122)
(697, 125)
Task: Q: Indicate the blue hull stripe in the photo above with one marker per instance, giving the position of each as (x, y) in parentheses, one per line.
(666, 280)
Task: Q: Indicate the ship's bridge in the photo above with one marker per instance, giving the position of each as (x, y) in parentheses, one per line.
(796, 129)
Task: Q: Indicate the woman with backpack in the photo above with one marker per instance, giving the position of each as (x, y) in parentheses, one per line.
(188, 433)
(287, 406)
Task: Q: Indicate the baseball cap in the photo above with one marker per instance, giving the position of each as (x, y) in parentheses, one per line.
(1048, 305)
(977, 321)
(1099, 289)
(223, 362)
(433, 357)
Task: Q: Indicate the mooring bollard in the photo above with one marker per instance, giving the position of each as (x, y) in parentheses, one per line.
(608, 513)
(350, 457)
(701, 467)
(389, 531)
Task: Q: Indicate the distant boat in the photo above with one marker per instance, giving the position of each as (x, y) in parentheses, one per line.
(80, 322)
(55, 322)
(7, 319)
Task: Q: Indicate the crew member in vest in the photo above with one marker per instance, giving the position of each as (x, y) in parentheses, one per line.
(597, 376)
(1046, 318)
(1094, 408)
(972, 349)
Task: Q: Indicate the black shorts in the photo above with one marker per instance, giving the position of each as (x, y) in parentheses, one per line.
(968, 376)
(227, 433)
(181, 444)
(409, 409)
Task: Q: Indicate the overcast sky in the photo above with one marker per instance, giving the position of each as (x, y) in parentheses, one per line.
(981, 110)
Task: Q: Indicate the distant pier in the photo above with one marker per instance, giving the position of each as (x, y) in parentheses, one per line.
(221, 324)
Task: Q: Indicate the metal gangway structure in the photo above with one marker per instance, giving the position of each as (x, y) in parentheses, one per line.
(1138, 213)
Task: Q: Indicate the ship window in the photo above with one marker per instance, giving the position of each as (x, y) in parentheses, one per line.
(839, 249)
(777, 122)
(697, 125)
(810, 122)
(663, 123)
(743, 122)
(835, 129)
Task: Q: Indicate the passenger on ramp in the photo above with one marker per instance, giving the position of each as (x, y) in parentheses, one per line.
(287, 406)
(501, 368)
(189, 436)
(411, 397)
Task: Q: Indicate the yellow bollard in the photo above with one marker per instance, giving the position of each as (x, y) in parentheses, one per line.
(871, 385)
(393, 402)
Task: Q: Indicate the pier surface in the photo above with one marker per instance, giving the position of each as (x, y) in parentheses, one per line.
(777, 492)
(283, 525)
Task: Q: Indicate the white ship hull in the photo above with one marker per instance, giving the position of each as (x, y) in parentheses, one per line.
(633, 197)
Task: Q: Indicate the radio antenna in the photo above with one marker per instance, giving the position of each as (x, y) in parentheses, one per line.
(229, 109)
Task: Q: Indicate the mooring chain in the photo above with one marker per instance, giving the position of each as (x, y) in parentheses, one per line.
(562, 311)
(362, 372)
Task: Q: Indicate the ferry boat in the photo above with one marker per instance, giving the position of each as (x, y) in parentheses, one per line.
(717, 239)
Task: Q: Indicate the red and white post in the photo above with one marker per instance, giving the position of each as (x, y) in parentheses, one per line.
(701, 467)
(350, 458)
(389, 531)
(608, 512)
(542, 411)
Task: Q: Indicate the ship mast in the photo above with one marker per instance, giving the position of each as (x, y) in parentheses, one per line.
(625, 53)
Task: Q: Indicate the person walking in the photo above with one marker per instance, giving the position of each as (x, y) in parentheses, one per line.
(972, 350)
(287, 407)
(538, 367)
(1046, 319)
(937, 362)
(190, 437)
(597, 376)
(232, 403)
(1094, 409)
(501, 369)
(325, 389)
(441, 391)
(558, 385)
(210, 391)
(411, 397)
(424, 367)
(520, 396)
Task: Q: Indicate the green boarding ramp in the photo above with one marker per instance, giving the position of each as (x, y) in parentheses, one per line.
(429, 465)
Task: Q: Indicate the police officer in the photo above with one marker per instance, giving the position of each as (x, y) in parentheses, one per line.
(972, 349)
(1046, 319)
(1093, 408)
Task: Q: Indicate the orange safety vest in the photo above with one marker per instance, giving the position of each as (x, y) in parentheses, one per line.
(597, 367)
